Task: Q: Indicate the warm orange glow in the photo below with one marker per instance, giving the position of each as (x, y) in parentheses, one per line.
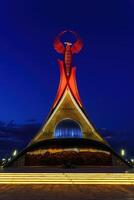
(57, 150)
(73, 86)
(62, 84)
(67, 178)
(67, 81)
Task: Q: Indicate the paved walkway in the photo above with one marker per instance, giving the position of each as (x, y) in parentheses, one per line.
(66, 192)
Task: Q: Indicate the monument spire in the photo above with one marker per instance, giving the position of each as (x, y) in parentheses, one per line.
(68, 49)
(67, 135)
(67, 71)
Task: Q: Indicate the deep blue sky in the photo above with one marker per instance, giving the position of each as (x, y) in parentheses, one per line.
(105, 67)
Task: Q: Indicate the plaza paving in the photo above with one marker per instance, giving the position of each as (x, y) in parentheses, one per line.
(66, 192)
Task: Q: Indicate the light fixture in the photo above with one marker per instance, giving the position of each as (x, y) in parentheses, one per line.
(123, 152)
(15, 152)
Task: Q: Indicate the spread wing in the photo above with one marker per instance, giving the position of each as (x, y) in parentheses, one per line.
(58, 46)
(77, 46)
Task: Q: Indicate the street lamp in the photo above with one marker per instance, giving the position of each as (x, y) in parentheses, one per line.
(15, 152)
(122, 152)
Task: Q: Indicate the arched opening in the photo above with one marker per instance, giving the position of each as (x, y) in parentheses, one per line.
(68, 128)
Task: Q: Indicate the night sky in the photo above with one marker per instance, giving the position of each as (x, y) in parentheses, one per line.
(29, 72)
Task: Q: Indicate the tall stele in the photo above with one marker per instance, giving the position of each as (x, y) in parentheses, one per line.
(67, 137)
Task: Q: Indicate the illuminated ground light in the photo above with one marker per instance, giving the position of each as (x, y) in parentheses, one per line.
(67, 178)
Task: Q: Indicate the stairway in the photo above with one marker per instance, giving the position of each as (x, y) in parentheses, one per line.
(67, 178)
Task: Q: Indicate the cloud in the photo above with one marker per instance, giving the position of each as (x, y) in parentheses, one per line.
(17, 136)
(120, 139)
(31, 120)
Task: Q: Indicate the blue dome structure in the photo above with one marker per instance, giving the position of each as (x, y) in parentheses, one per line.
(68, 128)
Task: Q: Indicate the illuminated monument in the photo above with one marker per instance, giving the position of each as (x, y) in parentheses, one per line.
(67, 137)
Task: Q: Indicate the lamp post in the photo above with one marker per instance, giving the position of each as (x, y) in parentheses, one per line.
(122, 152)
(15, 152)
